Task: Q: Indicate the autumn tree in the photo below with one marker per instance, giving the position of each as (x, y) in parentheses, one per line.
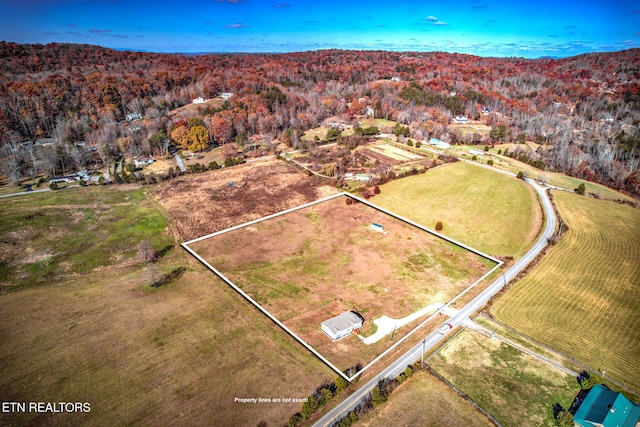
(180, 136)
(124, 143)
(221, 130)
(198, 138)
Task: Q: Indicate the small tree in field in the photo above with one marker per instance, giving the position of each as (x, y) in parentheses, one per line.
(439, 225)
(580, 190)
(341, 383)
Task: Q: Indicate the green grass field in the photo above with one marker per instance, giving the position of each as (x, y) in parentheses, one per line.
(554, 178)
(515, 388)
(582, 298)
(489, 211)
(46, 236)
(424, 400)
(92, 330)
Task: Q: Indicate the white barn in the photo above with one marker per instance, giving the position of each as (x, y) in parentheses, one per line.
(342, 325)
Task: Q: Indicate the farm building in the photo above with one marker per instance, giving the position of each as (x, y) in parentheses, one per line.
(376, 227)
(342, 325)
(606, 408)
(461, 119)
(439, 144)
(476, 152)
(199, 100)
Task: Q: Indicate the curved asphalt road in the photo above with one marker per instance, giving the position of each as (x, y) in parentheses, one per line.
(459, 319)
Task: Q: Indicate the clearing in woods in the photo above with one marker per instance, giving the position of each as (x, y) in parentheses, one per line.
(314, 263)
(582, 298)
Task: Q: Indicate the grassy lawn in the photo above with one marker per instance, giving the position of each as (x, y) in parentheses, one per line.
(582, 298)
(494, 213)
(515, 388)
(93, 331)
(321, 133)
(554, 178)
(424, 400)
(106, 225)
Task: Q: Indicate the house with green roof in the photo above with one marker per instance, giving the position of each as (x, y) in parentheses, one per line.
(606, 408)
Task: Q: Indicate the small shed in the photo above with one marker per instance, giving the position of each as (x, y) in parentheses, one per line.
(376, 227)
(342, 325)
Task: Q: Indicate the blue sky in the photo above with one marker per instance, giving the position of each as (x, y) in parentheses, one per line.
(482, 27)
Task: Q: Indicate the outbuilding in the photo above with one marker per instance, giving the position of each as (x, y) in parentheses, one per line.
(376, 227)
(342, 325)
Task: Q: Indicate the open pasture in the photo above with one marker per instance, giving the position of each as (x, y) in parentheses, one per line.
(80, 323)
(582, 298)
(314, 263)
(106, 225)
(497, 214)
(515, 388)
(424, 400)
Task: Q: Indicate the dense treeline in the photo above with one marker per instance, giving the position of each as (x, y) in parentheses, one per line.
(585, 110)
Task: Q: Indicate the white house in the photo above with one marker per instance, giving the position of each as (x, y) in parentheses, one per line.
(226, 95)
(143, 162)
(368, 111)
(199, 100)
(342, 325)
(133, 116)
(461, 119)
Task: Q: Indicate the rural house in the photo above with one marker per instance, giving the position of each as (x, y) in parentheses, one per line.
(342, 325)
(461, 119)
(143, 162)
(606, 408)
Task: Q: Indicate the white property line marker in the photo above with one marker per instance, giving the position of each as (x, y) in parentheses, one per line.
(289, 331)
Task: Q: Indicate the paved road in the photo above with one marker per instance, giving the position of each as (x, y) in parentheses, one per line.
(23, 193)
(458, 319)
(180, 163)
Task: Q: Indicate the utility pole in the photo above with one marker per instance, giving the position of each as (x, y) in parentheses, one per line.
(422, 359)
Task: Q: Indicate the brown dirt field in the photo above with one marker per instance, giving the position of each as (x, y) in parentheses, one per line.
(304, 275)
(396, 153)
(201, 204)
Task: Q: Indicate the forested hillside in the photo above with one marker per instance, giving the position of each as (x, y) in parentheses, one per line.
(584, 110)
